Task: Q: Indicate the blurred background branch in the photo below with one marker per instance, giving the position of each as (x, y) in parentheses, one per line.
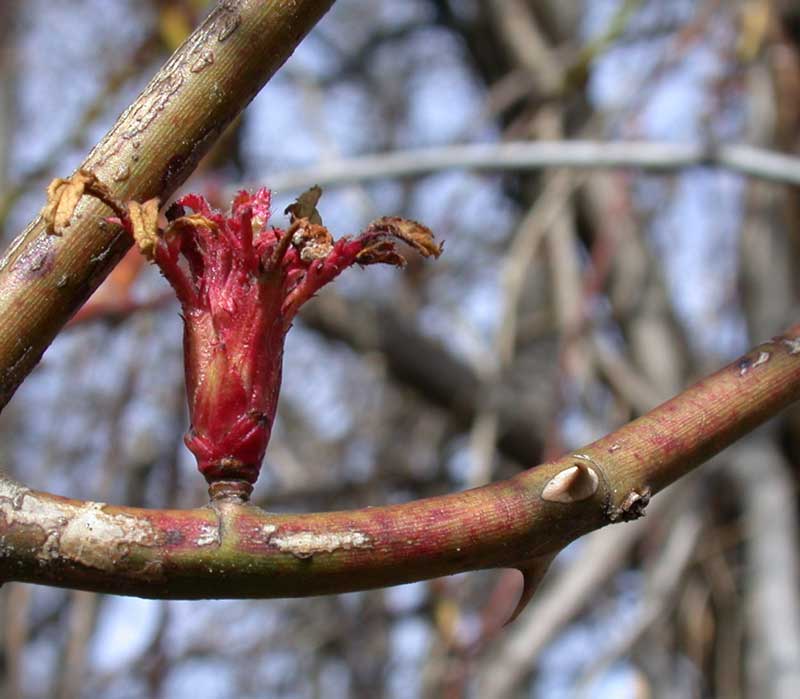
(524, 156)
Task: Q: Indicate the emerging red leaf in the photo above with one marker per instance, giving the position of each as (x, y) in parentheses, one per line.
(241, 282)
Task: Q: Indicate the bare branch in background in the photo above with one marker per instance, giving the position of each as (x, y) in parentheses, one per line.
(568, 591)
(549, 207)
(526, 155)
(442, 378)
(773, 570)
(17, 609)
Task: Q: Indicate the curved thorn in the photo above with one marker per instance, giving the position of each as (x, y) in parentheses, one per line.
(532, 573)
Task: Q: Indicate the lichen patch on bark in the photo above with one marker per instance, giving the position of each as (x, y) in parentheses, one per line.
(18, 505)
(98, 539)
(84, 534)
(208, 536)
(94, 538)
(308, 544)
(267, 530)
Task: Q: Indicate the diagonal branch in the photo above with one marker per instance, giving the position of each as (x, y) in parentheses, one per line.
(442, 379)
(234, 550)
(148, 153)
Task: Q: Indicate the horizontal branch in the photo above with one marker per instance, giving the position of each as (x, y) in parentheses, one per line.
(537, 155)
(233, 550)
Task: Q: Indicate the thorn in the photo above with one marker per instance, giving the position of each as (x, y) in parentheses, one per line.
(576, 483)
(793, 343)
(532, 573)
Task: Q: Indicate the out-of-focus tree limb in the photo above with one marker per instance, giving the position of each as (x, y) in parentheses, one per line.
(81, 625)
(76, 136)
(764, 483)
(426, 366)
(662, 583)
(150, 151)
(7, 84)
(542, 217)
(772, 576)
(537, 155)
(526, 43)
(16, 634)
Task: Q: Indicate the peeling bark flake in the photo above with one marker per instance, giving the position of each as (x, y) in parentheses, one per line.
(763, 358)
(97, 539)
(84, 534)
(745, 364)
(308, 544)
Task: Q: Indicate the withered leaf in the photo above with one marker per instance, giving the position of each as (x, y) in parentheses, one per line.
(382, 252)
(306, 206)
(415, 234)
(410, 232)
(144, 225)
(63, 196)
(185, 225)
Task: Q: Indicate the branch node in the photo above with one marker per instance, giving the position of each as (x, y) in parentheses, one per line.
(235, 491)
(632, 507)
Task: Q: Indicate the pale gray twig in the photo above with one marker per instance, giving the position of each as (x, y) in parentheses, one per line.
(538, 155)
(772, 577)
(542, 216)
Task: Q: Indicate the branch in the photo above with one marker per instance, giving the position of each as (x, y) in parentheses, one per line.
(148, 153)
(569, 590)
(771, 579)
(538, 155)
(233, 550)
